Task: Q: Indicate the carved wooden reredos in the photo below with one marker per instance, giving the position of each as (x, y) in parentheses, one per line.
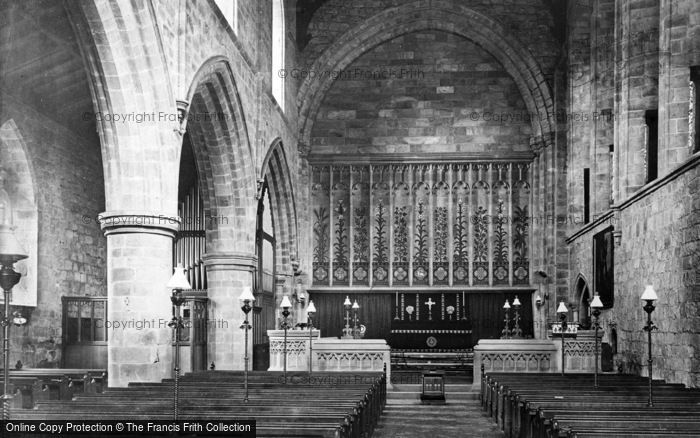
(423, 224)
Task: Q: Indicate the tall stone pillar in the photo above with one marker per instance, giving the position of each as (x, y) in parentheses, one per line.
(227, 274)
(139, 265)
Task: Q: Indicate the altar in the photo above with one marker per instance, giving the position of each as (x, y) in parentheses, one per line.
(328, 354)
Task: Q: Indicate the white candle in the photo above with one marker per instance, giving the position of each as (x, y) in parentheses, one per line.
(397, 299)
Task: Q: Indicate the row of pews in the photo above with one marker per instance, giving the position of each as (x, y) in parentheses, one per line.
(31, 386)
(551, 405)
(337, 405)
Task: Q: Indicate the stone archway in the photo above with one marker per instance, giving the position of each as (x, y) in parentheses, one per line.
(19, 185)
(223, 155)
(448, 16)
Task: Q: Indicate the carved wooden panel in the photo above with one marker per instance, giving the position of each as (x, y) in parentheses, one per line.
(421, 228)
(321, 224)
(341, 225)
(521, 224)
(421, 224)
(480, 219)
(360, 225)
(380, 227)
(401, 220)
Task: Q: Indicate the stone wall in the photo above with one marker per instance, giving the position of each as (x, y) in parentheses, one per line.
(69, 188)
(657, 221)
(423, 92)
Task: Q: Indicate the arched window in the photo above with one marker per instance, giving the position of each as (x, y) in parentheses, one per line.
(229, 9)
(278, 51)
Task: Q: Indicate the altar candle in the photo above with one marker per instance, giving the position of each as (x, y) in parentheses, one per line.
(397, 299)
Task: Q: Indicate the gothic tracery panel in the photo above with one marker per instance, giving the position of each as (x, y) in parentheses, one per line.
(521, 224)
(421, 224)
(500, 221)
(421, 252)
(380, 227)
(441, 193)
(321, 224)
(460, 233)
(341, 216)
(480, 219)
(360, 225)
(402, 200)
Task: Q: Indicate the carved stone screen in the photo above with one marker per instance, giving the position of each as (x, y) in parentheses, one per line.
(417, 225)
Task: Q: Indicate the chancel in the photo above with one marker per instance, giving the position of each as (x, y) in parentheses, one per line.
(323, 215)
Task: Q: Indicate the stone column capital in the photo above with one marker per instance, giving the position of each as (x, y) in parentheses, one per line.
(235, 261)
(143, 222)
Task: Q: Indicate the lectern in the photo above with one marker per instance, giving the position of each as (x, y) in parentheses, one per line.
(433, 387)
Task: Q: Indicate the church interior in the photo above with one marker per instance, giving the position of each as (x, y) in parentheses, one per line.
(470, 200)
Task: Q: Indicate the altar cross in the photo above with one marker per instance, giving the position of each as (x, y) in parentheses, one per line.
(430, 304)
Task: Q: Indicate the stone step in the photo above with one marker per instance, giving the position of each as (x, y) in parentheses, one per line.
(449, 387)
(415, 395)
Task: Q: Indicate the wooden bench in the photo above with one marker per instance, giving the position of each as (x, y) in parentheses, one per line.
(338, 409)
(549, 405)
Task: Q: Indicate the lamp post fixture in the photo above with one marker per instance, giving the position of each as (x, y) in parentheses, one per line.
(506, 330)
(517, 331)
(355, 329)
(177, 283)
(10, 253)
(649, 296)
(596, 305)
(562, 311)
(310, 312)
(246, 299)
(347, 305)
(285, 305)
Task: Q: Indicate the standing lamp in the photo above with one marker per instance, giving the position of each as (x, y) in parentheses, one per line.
(355, 330)
(562, 311)
(177, 283)
(506, 330)
(347, 305)
(517, 331)
(310, 312)
(246, 299)
(649, 296)
(596, 305)
(10, 253)
(285, 305)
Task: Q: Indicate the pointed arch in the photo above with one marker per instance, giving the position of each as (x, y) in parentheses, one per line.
(223, 155)
(22, 191)
(275, 170)
(444, 15)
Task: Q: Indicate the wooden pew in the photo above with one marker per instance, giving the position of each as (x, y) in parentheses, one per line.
(548, 405)
(339, 410)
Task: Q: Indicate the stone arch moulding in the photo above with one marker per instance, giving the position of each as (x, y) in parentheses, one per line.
(221, 145)
(275, 168)
(117, 64)
(21, 190)
(444, 15)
